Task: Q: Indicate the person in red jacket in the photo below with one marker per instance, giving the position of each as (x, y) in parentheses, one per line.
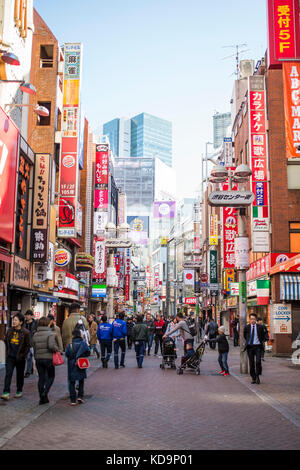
(160, 327)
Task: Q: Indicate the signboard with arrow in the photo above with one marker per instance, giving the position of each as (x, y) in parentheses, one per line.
(282, 318)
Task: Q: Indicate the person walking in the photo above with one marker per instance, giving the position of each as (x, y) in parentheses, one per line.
(211, 331)
(104, 335)
(30, 324)
(140, 338)
(93, 327)
(158, 333)
(70, 323)
(235, 328)
(17, 341)
(171, 325)
(130, 325)
(119, 336)
(44, 346)
(266, 338)
(57, 333)
(223, 349)
(254, 336)
(182, 327)
(151, 329)
(78, 348)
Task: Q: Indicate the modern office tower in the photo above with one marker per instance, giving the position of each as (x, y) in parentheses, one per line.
(118, 132)
(141, 136)
(221, 123)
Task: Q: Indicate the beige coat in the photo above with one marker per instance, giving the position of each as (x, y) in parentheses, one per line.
(93, 332)
(58, 338)
(69, 325)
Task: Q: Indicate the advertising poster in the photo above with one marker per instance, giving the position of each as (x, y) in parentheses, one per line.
(40, 219)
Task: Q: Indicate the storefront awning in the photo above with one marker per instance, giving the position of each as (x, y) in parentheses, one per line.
(7, 258)
(290, 287)
(47, 298)
(286, 265)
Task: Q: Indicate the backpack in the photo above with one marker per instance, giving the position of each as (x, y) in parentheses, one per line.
(192, 327)
(85, 332)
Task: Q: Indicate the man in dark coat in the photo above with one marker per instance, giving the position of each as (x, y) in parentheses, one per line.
(30, 325)
(254, 335)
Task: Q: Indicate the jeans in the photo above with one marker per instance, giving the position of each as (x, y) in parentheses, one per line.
(158, 341)
(223, 361)
(73, 390)
(94, 348)
(139, 350)
(254, 355)
(235, 337)
(150, 341)
(119, 343)
(29, 362)
(46, 371)
(106, 348)
(129, 342)
(12, 363)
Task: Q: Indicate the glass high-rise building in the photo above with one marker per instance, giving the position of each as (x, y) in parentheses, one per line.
(143, 136)
(221, 123)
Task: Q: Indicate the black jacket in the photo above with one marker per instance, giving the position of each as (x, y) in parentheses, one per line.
(140, 332)
(260, 334)
(150, 325)
(31, 327)
(24, 342)
(223, 345)
(130, 325)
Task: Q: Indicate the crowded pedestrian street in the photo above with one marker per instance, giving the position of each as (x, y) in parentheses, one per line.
(150, 408)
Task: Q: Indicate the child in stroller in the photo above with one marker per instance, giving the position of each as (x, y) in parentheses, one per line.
(192, 359)
(168, 353)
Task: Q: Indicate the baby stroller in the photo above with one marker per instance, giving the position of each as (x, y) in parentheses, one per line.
(168, 353)
(193, 362)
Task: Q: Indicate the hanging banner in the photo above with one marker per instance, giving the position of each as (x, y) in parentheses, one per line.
(213, 259)
(291, 88)
(40, 217)
(213, 230)
(283, 31)
(230, 231)
(164, 209)
(9, 139)
(102, 164)
(242, 260)
(101, 199)
(99, 251)
(100, 222)
(189, 277)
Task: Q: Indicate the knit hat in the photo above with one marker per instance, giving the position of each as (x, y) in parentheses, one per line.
(222, 328)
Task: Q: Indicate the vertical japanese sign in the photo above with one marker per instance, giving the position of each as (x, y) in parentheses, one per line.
(283, 31)
(39, 253)
(99, 270)
(69, 165)
(127, 273)
(9, 138)
(213, 230)
(258, 158)
(230, 231)
(22, 206)
(291, 88)
(213, 263)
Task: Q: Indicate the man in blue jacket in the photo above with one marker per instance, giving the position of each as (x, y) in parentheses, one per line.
(119, 336)
(104, 335)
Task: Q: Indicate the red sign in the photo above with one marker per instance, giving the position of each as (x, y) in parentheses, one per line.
(283, 31)
(68, 188)
(230, 231)
(204, 277)
(291, 89)
(190, 300)
(9, 135)
(127, 286)
(101, 198)
(101, 167)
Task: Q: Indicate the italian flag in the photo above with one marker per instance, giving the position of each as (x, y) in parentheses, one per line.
(263, 292)
(260, 212)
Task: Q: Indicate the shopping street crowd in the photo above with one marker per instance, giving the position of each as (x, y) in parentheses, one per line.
(40, 344)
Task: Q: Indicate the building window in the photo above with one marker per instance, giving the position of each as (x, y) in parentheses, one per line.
(44, 120)
(46, 56)
(294, 237)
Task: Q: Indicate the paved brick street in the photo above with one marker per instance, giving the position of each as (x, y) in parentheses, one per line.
(149, 409)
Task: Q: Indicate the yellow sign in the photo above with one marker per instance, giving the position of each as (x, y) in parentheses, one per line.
(71, 92)
(213, 230)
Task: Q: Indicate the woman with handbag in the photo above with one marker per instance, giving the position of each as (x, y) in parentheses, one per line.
(77, 352)
(44, 346)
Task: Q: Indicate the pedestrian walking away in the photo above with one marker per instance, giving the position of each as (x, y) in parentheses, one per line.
(119, 340)
(211, 330)
(160, 328)
(30, 324)
(17, 342)
(93, 327)
(77, 349)
(223, 349)
(188, 341)
(235, 327)
(130, 325)
(57, 333)
(140, 338)
(104, 335)
(254, 335)
(44, 345)
(70, 323)
(151, 329)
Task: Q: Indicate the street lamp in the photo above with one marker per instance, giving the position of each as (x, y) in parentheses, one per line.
(25, 87)
(9, 58)
(39, 110)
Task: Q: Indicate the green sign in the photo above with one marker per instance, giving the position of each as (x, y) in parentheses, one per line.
(243, 291)
(213, 257)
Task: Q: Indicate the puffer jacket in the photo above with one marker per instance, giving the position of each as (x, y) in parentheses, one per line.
(69, 325)
(44, 343)
(140, 332)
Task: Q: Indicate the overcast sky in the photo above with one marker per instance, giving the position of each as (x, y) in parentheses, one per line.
(163, 57)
